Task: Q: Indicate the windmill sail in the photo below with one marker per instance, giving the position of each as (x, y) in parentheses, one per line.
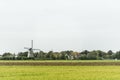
(30, 53)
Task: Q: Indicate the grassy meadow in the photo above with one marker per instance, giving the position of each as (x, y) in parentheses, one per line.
(59, 60)
(31, 72)
(59, 72)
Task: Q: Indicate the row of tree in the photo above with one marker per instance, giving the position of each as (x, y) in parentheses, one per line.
(64, 55)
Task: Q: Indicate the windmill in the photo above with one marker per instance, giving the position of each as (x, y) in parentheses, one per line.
(30, 53)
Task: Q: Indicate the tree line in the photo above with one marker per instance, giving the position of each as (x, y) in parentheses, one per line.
(63, 55)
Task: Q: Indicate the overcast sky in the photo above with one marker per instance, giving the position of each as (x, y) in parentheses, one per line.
(59, 25)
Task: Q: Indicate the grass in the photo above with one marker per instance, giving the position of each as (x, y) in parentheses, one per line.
(32, 72)
(59, 73)
(59, 60)
(59, 63)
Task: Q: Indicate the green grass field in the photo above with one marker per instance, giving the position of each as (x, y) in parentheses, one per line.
(59, 61)
(60, 72)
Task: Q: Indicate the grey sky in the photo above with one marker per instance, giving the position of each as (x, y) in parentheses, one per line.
(59, 24)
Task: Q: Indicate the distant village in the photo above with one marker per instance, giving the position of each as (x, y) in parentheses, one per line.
(37, 54)
(63, 55)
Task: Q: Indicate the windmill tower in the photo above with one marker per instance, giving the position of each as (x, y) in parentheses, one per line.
(30, 50)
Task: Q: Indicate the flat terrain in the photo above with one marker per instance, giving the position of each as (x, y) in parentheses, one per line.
(59, 73)
(59, 60)
(60, 70)
(61, 63)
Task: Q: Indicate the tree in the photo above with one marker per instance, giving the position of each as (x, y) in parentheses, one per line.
(69, 54)
(39, 55)
(22, 55)
(117, 55)
(8, 56)
(83, 57)
(85, 52)
(54, 56)
(110, 52)
(100, 54)
(63, 55)
(75, 55)
(93, 55)
(49, 55)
